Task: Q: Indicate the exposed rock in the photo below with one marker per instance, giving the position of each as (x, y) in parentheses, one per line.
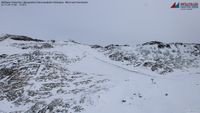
(160, 57)
(19, 38)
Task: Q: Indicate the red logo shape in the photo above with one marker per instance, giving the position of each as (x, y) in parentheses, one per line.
(174, 5)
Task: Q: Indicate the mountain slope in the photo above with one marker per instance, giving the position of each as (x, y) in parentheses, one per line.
(155, 56)
(67, 77)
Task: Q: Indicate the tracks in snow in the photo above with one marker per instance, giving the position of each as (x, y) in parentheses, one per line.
(132, 71)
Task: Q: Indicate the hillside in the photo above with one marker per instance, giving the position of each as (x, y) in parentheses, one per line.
(49, 76)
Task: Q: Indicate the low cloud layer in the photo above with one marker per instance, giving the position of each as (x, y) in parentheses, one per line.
(104, 22)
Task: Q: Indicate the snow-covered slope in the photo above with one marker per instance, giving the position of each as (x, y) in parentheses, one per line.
(67, 77)
(155, 56)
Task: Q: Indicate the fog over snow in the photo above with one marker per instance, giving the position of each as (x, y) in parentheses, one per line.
(104, 22)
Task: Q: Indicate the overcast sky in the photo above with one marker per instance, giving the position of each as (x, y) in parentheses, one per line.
(104, 22)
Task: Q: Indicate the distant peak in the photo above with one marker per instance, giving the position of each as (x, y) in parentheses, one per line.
(153, 43)
(159, 44)
(18, 38)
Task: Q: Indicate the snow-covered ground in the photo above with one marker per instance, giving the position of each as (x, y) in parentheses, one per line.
(132, 92)
(68, 77)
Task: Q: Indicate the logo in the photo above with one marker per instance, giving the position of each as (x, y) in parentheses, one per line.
(185, 5)
(175, 5)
